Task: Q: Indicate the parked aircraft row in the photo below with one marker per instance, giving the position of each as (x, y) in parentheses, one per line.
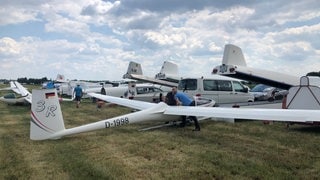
(221, 89)
(302, 103)
(47, 120)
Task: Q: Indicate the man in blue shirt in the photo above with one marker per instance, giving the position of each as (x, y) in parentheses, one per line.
(170, 99)
(184, 100)
(78, 94)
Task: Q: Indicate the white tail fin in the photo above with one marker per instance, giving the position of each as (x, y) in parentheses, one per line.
(169, 68)
(60, 78)
(47, 121)
(46, 115)
(233, 56)
(133, 68)
(169, 71)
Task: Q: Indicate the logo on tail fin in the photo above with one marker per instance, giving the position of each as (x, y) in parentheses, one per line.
(41, 106)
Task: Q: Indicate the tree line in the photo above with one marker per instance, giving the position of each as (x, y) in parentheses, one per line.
(314, 74)
(32, 80)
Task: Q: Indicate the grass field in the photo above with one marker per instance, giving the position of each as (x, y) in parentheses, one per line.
(244, 150)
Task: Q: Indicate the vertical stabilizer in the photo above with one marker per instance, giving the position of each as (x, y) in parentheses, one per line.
(60, 78)
(169, 71)
(169, 68)
(233, 56)
(134, 68)
(46, 115)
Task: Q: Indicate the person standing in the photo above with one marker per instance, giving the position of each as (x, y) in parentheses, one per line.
(99, 101)
(78, 94)
(103, 90)
(183, 99)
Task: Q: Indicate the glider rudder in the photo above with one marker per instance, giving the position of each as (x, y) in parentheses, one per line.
(46, 115)
(233, 55)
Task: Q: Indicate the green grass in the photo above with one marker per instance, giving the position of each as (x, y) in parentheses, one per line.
(244, 150)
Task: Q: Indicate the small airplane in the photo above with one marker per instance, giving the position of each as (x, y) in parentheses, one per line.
(303, 92)
(234, 65)
(24, 98)
(129, 89)
(12, 87)
(138, 91)
(47, 120)
(66, 87)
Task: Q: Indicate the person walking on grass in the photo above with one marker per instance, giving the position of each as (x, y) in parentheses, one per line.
(78, 95)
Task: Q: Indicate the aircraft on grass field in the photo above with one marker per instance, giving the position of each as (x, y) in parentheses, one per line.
(234, 65)
(12, 87)
(303, 92)
(138, 91)
(47, 120)
(222, 90)
(66, 87)
(24, 98)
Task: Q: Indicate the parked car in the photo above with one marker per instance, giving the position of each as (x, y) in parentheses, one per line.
(262, 92)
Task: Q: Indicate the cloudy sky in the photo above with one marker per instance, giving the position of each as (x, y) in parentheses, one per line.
(96, 39)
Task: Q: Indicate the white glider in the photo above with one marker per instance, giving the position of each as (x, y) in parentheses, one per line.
(25, 97)
(47, 121)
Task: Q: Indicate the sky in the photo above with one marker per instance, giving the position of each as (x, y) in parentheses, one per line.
(96, 39)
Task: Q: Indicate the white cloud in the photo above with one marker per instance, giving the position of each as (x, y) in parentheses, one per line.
(12, 15)
(9, 46)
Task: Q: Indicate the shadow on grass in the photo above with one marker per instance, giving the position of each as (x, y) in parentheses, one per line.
(306, 129)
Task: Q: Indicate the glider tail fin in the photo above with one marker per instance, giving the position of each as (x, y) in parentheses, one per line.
(233, 56)
(133, 68)
(60, 78)
(168, 69)
(46, 115)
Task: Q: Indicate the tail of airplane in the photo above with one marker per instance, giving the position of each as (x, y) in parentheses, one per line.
(61, 78)
(47, 121)
(133, 68)
(46, 115)
(233, 55)
(168, 72)
(168, 68)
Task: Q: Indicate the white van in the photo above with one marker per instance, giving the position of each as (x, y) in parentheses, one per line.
(219, 88)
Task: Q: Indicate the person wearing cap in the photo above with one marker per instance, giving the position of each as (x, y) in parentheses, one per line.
(78, 94)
